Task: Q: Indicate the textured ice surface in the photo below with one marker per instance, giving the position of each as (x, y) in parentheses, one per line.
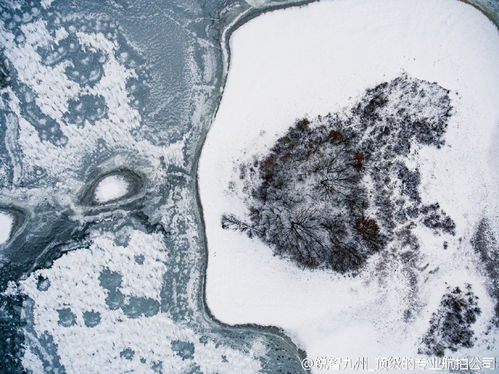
(104, 106)
(96, 325)
(319, 59)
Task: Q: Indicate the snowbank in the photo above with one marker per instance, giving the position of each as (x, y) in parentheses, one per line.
(315, 60)
(6, 224)
(111, 188)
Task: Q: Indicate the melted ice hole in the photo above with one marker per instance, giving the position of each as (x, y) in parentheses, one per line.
(6, 225)
(111, 188)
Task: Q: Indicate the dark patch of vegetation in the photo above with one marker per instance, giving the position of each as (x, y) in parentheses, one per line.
(485, 244)
(333, 232)
(450, 326)
(410, 180)
(332, 190)
(436, 219)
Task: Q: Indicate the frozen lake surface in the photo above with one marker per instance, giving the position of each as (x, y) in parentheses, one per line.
(104, 107)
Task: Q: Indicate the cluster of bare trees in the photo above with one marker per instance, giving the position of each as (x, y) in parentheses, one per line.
(450, 326)
(324, 194)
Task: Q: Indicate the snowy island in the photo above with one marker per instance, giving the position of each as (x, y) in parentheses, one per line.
(349, 181)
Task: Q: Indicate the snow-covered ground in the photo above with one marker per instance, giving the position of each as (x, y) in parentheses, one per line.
(111, 188)
(318, 59)
(6, 223)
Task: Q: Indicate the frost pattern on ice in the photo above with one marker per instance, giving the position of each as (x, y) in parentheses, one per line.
(103, 107)
(144, 331)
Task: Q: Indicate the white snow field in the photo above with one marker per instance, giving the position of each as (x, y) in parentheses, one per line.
(318, 59)
(6, 223)
(111, 188)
